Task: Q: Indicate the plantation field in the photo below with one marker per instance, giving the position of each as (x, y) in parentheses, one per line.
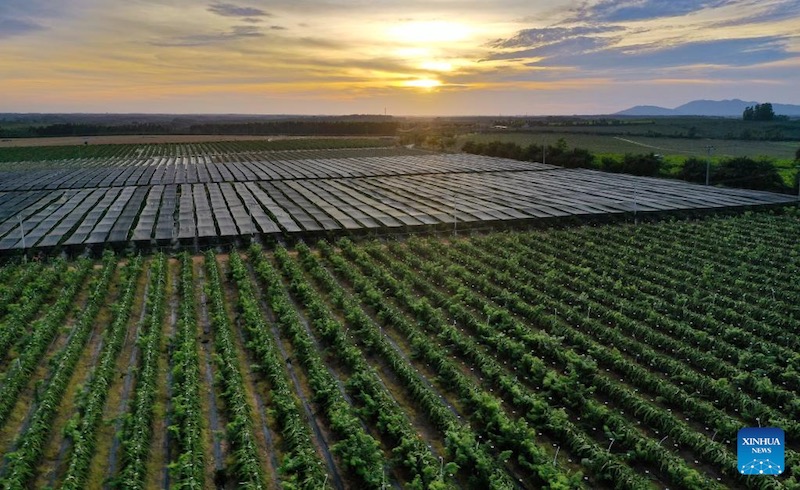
(200, 193)
(143, 147)
(615, 356)
(136, 139)
(783, 151)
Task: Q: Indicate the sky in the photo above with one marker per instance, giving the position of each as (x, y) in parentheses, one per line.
(431, 57)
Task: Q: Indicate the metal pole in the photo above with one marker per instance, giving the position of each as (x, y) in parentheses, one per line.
(709, 149)
(798, 182)
(21, 231)
(454, 215)
(634, 202)
(250, 215)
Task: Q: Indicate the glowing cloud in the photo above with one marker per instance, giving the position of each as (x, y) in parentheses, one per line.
(447, 57)
(426, 83)
(431, 65)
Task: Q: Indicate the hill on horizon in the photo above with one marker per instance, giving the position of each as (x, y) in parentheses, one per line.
(721, 108)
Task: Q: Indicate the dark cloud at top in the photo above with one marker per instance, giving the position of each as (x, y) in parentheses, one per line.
(230, 10)
(629, 10)
(24, 8)
(548, 35)
(19, 17)
(16, 27)
(726, 52)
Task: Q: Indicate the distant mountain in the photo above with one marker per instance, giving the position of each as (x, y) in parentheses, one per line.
(647, 110)
(722, 108)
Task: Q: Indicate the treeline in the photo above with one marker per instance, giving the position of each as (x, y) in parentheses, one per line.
(300, 128)
(742, 172)
(77, 129)
(557, 155)
(305, 127)
(759, 112)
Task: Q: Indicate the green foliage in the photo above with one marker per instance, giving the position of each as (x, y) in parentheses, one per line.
(759, 112)
(556, 155)
(241, 433)
(644, 165)
(137, 151)
(693, 170)
(83, 432)
(748, 173)
(188, 467)
(626, 350)
(137, 431)
(30, 444)
(37, 338)
(647, 165)
(300, 462)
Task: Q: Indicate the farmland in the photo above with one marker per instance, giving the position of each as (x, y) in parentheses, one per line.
(675, 147)
(325, 314)
(606, 356)
(196, 194)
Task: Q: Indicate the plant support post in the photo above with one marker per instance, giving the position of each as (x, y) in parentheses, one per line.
(709, 149)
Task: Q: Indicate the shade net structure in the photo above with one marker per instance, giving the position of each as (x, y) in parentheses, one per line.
(221, 196)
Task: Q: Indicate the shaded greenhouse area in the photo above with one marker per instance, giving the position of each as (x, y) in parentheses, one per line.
(171, 200)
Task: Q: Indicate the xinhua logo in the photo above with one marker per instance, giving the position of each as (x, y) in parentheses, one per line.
(760, 451)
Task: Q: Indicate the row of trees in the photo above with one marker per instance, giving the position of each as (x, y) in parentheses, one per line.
(759, 112)
(98, 129)
(557, 155)
(291, 127)
(735, 172)
(743, 172)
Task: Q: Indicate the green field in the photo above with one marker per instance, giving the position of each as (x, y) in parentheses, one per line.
(674, 150)
(613, 356)
(145, 151)
(784, 151)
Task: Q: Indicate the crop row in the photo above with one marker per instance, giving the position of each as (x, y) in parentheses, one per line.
(29, 445)
(576, 358)
(83, 428)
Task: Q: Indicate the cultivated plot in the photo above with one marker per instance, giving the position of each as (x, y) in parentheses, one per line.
(172, 199)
